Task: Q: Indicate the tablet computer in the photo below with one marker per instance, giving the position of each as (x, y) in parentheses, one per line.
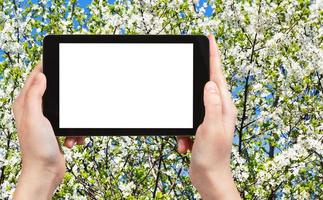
(125, 84)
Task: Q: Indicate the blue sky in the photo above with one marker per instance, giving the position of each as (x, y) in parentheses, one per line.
(1, 55)
(85, 3)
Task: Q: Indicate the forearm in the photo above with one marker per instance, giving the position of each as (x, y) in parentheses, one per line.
(35, 185)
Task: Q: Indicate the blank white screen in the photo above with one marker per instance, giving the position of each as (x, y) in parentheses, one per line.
(125, 85)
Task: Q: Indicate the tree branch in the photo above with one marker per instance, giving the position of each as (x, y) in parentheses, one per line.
(159, 166)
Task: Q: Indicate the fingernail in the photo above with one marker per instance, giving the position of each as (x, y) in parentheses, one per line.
(211, 87)
(180, 145)
(72, 142)
(36, 79)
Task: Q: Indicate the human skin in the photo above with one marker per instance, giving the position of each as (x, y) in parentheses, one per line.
(210, 171)
(43, 163)
(42, 156)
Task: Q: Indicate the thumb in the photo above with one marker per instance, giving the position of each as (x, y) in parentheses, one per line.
(33, 103)
(213, 106)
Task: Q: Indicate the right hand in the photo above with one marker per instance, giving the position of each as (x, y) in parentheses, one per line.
(210, 169)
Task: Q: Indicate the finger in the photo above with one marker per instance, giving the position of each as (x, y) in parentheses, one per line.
(19, 101)
(31, 77)
(33, 101)
(184, 144)
(80, 140)
(216, 75)
(213, 106)
(70, 142)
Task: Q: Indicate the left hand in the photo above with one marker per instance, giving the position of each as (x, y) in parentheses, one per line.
(43, 163)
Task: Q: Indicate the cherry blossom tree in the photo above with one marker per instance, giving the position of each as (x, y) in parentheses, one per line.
(272, 55)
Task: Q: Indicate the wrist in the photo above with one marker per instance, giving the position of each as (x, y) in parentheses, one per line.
(217, 185)
(37, 183)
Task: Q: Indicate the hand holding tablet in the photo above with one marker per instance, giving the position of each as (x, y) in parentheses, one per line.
(125, 84)
(209, 170)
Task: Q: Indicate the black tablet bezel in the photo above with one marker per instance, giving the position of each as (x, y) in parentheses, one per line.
(51, 71)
